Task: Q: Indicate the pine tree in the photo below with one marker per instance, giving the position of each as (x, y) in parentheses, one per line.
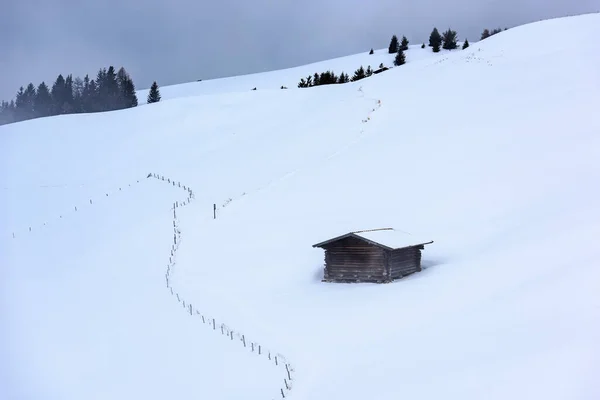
(400, 58)
(449, 37)
(359, 74)
(465, 44)
(127, 95)
(154, 94)
(68, 106)
(43, 101)
(328, 78)
(86, 96)
(108, 89)
(316, 79)
(369, 71)
(435, 39)
(344, 78)
(78, 86)
(7, 112)
(93, 99)
(371, 52)
(404, 44)
(30, 94)
(58, 95)
(112, 89)
(24, 103)
(423, 46)
(485, 34)
(393, 47)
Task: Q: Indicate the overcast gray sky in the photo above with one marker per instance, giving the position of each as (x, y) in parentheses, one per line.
(174, 41)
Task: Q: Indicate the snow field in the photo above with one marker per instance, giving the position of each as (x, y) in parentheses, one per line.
(491, 152)
(73, 271)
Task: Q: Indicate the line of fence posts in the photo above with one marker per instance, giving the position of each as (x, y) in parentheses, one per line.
(255, 347)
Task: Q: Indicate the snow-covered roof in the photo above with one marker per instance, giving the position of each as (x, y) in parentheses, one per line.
(389, 238)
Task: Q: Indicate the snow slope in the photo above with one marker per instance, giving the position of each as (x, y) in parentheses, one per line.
(291, 76)
(491, 152)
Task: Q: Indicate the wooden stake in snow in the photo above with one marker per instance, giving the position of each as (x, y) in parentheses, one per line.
(215, 211)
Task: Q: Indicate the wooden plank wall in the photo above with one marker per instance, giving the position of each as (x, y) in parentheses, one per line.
(352, 260)
(405, 262)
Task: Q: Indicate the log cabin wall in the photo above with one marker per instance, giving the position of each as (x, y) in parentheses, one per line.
(353, 260)
(405, 261)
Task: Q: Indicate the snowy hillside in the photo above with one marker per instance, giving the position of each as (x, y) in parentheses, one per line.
(290, 77)
(492, 152)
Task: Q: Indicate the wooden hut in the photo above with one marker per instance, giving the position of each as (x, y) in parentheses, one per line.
(377, 255)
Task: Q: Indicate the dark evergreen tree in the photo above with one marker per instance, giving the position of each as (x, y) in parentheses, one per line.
(328, 78)
(381, 66)
(111, 89)
(7, 112)
(58, 95)
(371, 52)
(400, 58)
(154, 94)
(93, 102)
(423, 46)
(78, 87)
(404, 43)
(302, 83)
(465, 44)
(344, 78)
(107, 89)
(393, 47)
(485, 34)
(68, 106)
(128, 97)
(43, 101)
(25, 102)
(20, 104)
(359, 74)
(369, 71)
(449, 38)
(435, 39)
(316, 79)
(30, 95)
(495, 31)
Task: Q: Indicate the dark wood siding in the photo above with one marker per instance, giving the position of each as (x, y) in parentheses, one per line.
(353, 260)
(405, 262)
